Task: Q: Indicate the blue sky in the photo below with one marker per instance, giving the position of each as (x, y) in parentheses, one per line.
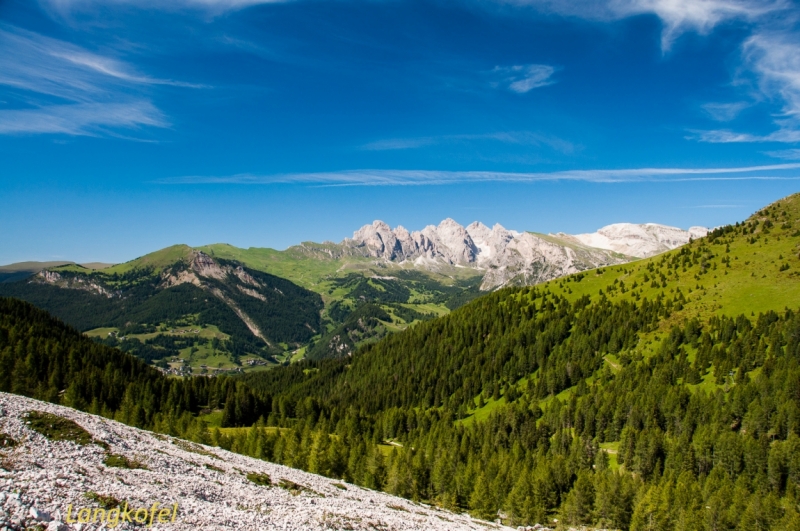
(127, 126)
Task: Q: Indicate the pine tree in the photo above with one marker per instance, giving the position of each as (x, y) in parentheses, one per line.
(481, 502)
(651, 513)
(579, 503)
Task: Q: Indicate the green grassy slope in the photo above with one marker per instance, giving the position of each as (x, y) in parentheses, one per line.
(748, 269)
(303, 269)
(23, 270)
(156, 261)
(346, 281)
(744, 270)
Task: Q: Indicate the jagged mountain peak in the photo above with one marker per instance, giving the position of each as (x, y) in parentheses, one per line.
(476, 227)
(449, 224)
(509, 256)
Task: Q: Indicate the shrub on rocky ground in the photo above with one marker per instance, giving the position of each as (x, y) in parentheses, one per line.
(120, 461)
(296, 488)
(259, 479)
(6, 441)
(106, 501)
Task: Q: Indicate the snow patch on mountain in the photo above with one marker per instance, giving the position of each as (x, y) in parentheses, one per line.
(639, 240)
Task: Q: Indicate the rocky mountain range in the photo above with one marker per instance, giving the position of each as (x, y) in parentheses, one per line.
(273, 303)
(509, 257)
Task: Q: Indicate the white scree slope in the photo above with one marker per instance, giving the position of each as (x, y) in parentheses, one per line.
(209, 484)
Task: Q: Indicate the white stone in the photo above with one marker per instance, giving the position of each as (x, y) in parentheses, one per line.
(41, 516)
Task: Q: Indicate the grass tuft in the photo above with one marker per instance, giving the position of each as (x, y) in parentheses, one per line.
(194, 448)
(6, 441)
(262, 480)
(106, 501)
(214, 468)
(120, 461)
(295, 488)
(57, 428)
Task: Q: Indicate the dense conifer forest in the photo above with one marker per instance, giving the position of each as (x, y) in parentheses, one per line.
(43, 358)
(659, 395)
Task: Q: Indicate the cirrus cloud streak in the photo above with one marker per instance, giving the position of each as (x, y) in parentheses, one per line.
(61, 88)
(435, 177)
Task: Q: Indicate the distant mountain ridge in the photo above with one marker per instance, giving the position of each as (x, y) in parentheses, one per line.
(178, 288)
(21, 270)
(313, 300)
(516, 258)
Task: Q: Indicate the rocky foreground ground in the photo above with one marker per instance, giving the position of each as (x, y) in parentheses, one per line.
(40, 478)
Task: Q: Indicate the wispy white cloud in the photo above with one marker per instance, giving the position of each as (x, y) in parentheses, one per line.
(433, 177)
(80, 118)
(33, 62)
(213, 6)
(115, 69)
(702, 16)
(677, 16)
(773, 58)
(393, 144)
(66, 89)
(726, 136)
(524, 78)
(725, 112)
(773, 54)
(525, 138)
(786, 154)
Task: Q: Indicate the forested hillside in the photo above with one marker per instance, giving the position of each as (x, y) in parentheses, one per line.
(663, 394)
(152, 307)
(43, 358)
(391, 296)
(244, 304)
